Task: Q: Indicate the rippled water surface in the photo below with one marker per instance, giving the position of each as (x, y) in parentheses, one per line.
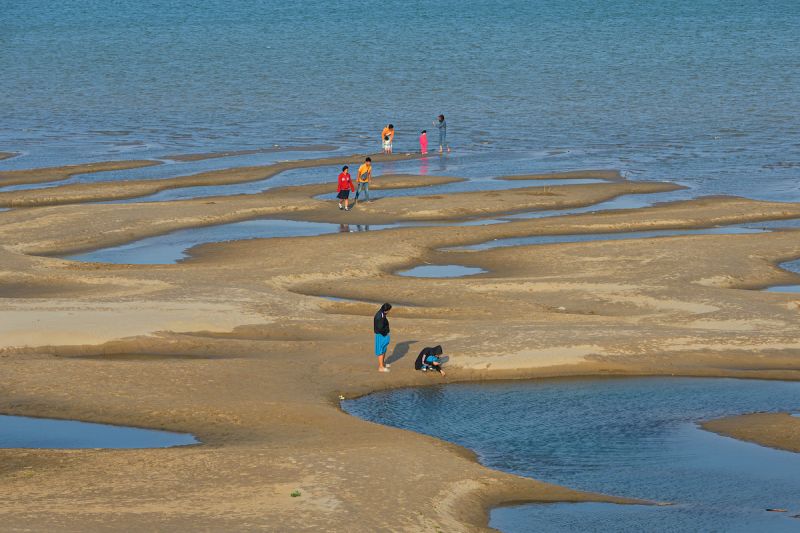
(628, 437)
(701, 91)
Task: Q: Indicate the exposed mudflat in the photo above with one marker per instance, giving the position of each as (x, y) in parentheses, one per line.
(233, 346)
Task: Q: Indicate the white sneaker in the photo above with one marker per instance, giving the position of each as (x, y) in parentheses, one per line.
(384, 369)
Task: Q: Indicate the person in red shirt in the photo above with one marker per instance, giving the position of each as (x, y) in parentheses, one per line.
(344, 188)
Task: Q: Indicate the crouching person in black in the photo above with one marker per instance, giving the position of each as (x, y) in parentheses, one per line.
(430, 359)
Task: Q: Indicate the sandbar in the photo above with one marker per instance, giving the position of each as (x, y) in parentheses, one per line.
(54, 174)
(774, 430)
(238, 346)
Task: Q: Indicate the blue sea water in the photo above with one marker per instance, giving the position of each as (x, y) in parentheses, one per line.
(700, 91)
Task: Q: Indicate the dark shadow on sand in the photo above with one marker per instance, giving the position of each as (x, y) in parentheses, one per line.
(400, 351)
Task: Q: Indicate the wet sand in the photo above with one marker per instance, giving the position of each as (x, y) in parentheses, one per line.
(234, 346)
(55, 174)
(125, 189)
(611, 175)
(775, 430)
(7, 155)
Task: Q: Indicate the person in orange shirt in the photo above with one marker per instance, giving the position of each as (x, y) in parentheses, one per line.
(364, 177)
(388, 131)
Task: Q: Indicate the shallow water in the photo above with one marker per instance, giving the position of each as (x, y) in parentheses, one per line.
(783, 288)
(791, 266)
(441, 271)
(25, 432)
(172, 247)
(175, 246)
(628, 437)
(171, 169)
(593, 237)
(701, 91)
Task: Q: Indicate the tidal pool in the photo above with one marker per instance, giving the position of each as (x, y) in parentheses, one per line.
(441, 271)
(618, 236)
(172, 247)
(26, 432)
(635, 437)
(791, 266)
(783, 288)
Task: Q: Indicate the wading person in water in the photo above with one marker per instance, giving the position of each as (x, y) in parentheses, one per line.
(442, 125)
(363, 178)
(344, 188)
(388, 131)
(382, 338)
(423, 142)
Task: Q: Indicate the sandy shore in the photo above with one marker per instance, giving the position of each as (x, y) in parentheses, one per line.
(235, 345)
(7, 155)
(775, 430)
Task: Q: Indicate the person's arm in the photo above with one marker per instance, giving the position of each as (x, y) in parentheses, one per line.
(352, 187)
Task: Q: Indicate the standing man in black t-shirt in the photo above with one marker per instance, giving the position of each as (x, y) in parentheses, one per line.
(382, 337)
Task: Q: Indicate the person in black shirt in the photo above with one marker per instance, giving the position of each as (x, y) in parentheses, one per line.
(429, 359)
(382, 337)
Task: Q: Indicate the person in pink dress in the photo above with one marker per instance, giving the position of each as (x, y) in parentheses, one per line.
(423, 142)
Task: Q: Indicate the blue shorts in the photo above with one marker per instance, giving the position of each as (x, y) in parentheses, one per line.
(381, 343)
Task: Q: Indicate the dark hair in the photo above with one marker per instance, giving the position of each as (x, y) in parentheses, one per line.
(345, 168)
(385, 307)
(437, 350)
(391, 126)
(441, 118)
(424, 131)
(385, 137)
(368, 159)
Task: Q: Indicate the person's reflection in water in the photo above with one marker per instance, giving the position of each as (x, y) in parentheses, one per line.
(442, 166)
(359, 227)
(344, 228)
(423, 166)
